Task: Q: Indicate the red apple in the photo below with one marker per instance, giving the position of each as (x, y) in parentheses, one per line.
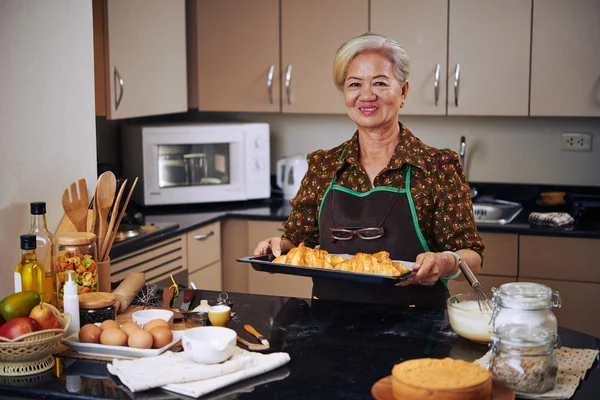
(19, 326)
(45, 317)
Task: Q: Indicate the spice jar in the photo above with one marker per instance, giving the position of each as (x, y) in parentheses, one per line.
(522, 357)
(525, 303)
(76, 253)
(97, 307)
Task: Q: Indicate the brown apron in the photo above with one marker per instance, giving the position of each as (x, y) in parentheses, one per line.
(402, 239)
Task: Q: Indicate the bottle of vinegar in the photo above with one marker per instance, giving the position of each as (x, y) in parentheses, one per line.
(44, 249)
(29, 273)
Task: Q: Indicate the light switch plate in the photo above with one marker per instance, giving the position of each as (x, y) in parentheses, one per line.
(576, 141)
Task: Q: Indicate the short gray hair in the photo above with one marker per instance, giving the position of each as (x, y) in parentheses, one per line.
(370, 42)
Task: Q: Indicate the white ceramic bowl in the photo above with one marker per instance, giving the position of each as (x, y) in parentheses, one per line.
(144, 316)
(467, 320)
(209, 344)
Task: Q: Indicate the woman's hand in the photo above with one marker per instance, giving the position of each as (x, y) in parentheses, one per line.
(429, 267)
(269, 246)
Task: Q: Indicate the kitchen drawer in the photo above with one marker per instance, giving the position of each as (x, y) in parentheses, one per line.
(561, 258)
(578, 299)
(208, 277)
(501, 254)
(204, 246)
(157, 261)
(488, 282)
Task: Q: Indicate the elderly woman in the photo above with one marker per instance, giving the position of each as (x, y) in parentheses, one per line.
(383, 189)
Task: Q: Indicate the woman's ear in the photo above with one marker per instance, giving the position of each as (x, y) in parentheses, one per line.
(404, 92)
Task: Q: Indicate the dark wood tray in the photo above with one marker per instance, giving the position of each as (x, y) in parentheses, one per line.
(265, 264)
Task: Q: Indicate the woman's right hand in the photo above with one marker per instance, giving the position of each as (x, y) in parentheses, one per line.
(268, 246)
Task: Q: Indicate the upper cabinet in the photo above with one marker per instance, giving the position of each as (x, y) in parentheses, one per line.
(140, 57)
(421, 27)
(253, 56)
(488, 65)
(565, 58)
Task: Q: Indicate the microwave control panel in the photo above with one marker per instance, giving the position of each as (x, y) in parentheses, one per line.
(257, 155)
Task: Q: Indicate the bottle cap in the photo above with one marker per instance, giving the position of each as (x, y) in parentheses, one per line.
(38, 207)
(70, 286)
(28, 242)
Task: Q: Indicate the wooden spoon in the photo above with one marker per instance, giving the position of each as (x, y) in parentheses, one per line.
(111, 225)
(112, 236)
(105, 196)
(76, 207)
(252, 346)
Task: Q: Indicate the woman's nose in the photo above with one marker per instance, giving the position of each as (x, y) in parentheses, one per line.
(367, 93)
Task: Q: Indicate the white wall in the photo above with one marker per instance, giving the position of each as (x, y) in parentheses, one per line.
(47, 122)
(499, 149)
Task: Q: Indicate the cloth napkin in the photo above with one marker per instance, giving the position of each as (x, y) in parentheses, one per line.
(573, 365)
(552, 220)
(176, 373)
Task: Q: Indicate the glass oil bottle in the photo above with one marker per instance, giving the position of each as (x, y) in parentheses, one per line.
(29, 273)
(44, 249)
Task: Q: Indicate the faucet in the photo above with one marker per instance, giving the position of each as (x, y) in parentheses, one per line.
(462, 152)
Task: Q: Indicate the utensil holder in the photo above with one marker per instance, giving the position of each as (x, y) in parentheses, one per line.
(104, 276)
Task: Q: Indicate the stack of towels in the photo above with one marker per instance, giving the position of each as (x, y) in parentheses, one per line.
(176, 373)
(552, 220)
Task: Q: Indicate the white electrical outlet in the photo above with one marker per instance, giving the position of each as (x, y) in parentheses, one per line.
(577, 141)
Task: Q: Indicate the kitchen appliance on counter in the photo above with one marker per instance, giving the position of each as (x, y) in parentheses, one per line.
(290, 171)
(198, 162)
(585, 210)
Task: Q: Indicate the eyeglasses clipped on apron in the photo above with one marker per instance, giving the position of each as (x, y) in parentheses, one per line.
(363, 233)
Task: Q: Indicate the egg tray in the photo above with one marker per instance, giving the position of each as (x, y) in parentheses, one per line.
(265, 264)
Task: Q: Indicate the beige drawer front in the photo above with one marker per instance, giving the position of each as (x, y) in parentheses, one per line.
(501, 253)
(204, 246)
(208, 277)
(156, 262)
(488, 282)
(561, 258)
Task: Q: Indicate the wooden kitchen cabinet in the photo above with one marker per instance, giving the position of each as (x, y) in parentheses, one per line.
(565, 58)
(233, 73)
(240, 71)
(204, 257)
(488, 57)
(273, 284)
(139, 57)
(421, 27)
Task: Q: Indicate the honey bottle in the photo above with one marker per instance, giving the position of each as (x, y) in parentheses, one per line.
(29, 273)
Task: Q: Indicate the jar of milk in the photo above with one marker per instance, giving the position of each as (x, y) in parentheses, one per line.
(525, 303)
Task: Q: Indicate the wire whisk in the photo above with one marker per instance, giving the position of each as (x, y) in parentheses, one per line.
(483, 299)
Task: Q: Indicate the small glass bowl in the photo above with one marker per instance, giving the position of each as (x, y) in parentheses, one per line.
(467, 320)
(196, 319)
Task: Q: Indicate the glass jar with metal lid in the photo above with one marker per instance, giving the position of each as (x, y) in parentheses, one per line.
(525, 303)
(522, 357)
(96, 307)
(76, 253)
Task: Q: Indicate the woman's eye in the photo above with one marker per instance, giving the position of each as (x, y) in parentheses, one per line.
(380, 84)
(353, 84)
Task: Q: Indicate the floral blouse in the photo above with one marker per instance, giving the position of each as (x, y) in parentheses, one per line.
(438, 186)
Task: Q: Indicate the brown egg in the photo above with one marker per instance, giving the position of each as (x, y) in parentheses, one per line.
(113, 337)
(90, 333)
(140, 340)
(109, 324)
(130, 328)
(155, 322)
(161, 336)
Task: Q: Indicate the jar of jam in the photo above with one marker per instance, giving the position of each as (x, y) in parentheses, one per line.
(97, 307)
(76, 254)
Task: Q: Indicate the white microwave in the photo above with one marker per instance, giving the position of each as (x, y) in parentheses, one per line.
(197, 162)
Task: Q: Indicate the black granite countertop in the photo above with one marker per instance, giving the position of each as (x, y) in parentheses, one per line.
(337, 350)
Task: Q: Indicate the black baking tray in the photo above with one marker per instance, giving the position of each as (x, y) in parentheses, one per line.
(265, 264)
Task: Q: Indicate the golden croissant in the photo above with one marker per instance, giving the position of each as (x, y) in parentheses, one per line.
(378, 263)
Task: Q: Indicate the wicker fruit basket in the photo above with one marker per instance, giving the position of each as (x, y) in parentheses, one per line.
(32, 353)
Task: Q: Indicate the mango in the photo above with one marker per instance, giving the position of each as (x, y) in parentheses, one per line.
(19, 305)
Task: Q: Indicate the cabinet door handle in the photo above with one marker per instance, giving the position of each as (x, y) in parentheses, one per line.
(270, 83)
(118, 80)
(204, 236)
(436, 84)
(456, 84)
(288, 81)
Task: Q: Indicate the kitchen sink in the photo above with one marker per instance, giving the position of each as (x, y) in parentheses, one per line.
(499, 212)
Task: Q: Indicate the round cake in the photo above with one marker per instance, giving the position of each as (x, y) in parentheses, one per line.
(443, 379)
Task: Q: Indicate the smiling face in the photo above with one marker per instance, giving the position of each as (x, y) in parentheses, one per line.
(372, 93)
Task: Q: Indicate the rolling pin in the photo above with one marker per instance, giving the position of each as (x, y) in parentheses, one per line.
(127, 289)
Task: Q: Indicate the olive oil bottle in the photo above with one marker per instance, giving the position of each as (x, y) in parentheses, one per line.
(44, 249)
(29, 273)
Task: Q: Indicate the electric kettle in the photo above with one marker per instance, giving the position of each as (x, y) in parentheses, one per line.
(290, 171)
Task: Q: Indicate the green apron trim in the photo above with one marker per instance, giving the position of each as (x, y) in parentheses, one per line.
(364, 194)
(411, 204)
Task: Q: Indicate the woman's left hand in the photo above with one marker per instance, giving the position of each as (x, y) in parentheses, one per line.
(427, 269)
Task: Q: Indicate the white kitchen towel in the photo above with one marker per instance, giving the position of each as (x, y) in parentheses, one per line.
(553, 219)
(175, 368)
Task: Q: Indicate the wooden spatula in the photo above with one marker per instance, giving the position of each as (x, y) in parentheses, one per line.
(105, 196)
(252, 346)
(76, 207)
(111, 224)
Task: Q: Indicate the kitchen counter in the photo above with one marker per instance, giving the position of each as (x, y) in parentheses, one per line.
(337, 350)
